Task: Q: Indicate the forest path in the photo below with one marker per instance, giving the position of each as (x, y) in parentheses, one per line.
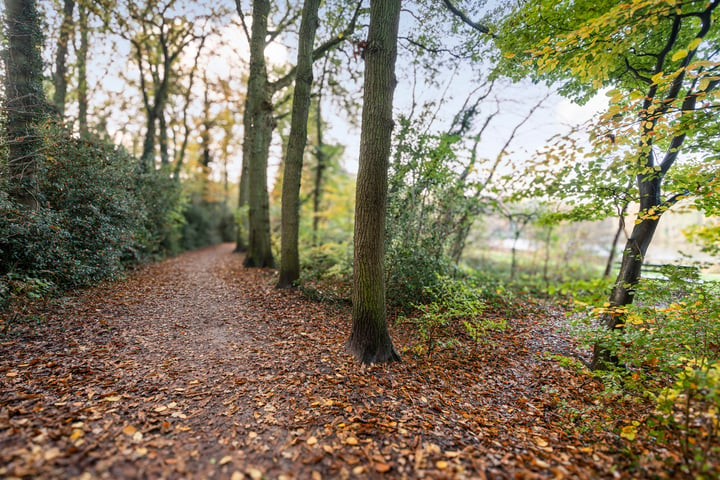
(196, 367)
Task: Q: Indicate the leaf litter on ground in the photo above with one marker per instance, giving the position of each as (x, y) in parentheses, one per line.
(196, 367)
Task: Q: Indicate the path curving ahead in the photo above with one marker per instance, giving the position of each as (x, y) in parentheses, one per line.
(196, 367)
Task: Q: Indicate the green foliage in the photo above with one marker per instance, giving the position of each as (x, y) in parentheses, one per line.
(708, 236)
(668, 346)
(207, 220)
(457, 303)
(429, 211)
(97, 215)
(326, 272)
(688, 414)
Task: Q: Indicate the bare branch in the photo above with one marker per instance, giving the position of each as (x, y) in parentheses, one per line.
(477, 26)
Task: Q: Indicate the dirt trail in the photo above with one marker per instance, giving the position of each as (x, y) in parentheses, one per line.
(198, 368)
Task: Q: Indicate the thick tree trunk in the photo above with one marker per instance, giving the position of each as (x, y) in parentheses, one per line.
(290, 257)
(242, 226)
(631, 267)
(60, 75)
(82, 72)
(24, 99)
(369, 340)
(258, 136)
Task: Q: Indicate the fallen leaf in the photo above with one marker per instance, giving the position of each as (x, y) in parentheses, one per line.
(254, 473)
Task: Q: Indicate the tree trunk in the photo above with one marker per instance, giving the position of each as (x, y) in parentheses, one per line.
(242, 221)
(82, 72)
(616, 238)
(369, 340)
(24, 99)
(319, 169)
(262, 123)
(631, 267)
(290, 257)
(163, 140)
(147, 158)
(60, 75)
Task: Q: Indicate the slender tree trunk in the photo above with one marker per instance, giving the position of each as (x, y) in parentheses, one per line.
(163, 140)
(82, 73)
(513, 264)
(319, 169)
(24, 99)
(147, 158)
(369, 340)
(613, 246)
(60, 75)
(259, 107)
(290, 257)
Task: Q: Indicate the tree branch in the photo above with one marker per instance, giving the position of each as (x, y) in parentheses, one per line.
(238, 7)
(477, 26)
(319, 52)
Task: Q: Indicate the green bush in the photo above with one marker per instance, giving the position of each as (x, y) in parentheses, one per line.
(457, 306)
(326, 272)
(688, 415)
(669, 349)
(97, 215)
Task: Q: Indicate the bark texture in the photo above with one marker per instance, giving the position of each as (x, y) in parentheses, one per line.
(369, 340)
(257, 139)
(290, 257)
(60, 75)
(24, 99)
(82, 73)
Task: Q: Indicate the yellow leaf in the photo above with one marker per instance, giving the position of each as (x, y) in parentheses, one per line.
(351, 441)
(225, 459)
(694, 44)
(77, 433)
(680, 54)
(629, 432)
(312, 441)
(656, 78)
(129, 430)
(112, 398)
(442, 464)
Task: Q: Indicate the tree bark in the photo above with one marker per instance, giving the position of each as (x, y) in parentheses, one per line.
(24, 99)
(319, 170)
(369, 339)
(60, 75)
(290, 257)
(82, 73)
(257, 138)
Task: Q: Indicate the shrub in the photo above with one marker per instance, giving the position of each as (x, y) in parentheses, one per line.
(97, 215)
(458, 306)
